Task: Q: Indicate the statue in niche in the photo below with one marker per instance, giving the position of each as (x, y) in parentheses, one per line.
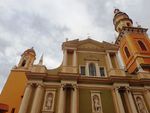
(49, 101)
(96, 103)
(140, 105)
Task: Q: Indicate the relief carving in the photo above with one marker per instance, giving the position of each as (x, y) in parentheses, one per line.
(96, 102)
(49, 101)
(140, 103)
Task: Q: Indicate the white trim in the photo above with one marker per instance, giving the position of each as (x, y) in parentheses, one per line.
(80, 69)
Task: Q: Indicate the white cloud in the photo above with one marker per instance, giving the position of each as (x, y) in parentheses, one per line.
(45, 24)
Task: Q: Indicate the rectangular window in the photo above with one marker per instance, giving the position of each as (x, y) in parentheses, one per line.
(82, 70)
(102, 71)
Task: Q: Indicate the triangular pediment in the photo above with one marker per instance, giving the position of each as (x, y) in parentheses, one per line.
(90, 44)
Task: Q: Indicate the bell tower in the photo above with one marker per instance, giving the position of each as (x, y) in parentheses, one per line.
(134, 43)
(27, 58)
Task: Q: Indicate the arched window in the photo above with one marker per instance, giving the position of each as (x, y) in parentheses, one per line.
(92, 69)
(128, 24)
(23, 63)
(142, 46)
(127, 52)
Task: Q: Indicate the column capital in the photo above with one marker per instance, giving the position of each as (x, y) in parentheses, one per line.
(116, 88)
(35, 84)
(29, 84)
(40, 85)
(75, 86)
(69, 85)
(146, 90)
(128, 88)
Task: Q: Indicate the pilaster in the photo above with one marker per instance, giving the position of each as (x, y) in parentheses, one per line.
(109, 61)
(61, 101)
(147, 97)
(75, 58)
(65, 58)
(26, 99)
(37, 101)
(87, 69)
(74, 108)
(131, 101)
(119, 104)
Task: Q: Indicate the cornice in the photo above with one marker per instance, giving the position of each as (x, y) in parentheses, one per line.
(134, 81)
(129, 29)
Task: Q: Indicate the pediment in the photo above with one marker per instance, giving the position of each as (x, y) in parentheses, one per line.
(90, 46)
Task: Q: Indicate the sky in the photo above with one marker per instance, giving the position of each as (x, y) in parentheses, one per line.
(45, 24)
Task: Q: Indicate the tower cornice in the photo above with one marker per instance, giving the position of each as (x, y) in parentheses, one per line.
(129, 30)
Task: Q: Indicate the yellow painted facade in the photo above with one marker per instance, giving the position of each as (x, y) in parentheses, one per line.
(13, 90)
(90, 78)
(134, 43)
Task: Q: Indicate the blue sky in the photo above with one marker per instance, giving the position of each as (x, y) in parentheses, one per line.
(45, 24)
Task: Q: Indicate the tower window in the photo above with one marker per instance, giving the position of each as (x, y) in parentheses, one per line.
(142, 46)
(82, 70)
(128, 24)
(13, 110)
(23, 63)
(127, 52)
(92, 69)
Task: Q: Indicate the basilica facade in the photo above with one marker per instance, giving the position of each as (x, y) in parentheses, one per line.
(90, 79)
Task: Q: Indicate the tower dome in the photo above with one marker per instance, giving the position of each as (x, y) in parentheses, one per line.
(30, 51)
(27, 58)
(121, 20)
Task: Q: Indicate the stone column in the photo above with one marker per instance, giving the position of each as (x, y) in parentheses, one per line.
(109, 61)
(118, 62)
(119, 101)
(115, 101)
(147, 96)
(36, 105)
(131, 102)
(75, 58)
(97, 70)
(87, 69)
(74, 108)
(61, 101)
(26, 99)
(65, 58)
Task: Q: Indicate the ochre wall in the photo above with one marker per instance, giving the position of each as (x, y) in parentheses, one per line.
(101, 58)
(130, 40)
(13, 90)
(85, 104)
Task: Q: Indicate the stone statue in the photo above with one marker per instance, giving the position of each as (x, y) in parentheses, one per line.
(49, 101)
(140, 105)
(96, 101)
